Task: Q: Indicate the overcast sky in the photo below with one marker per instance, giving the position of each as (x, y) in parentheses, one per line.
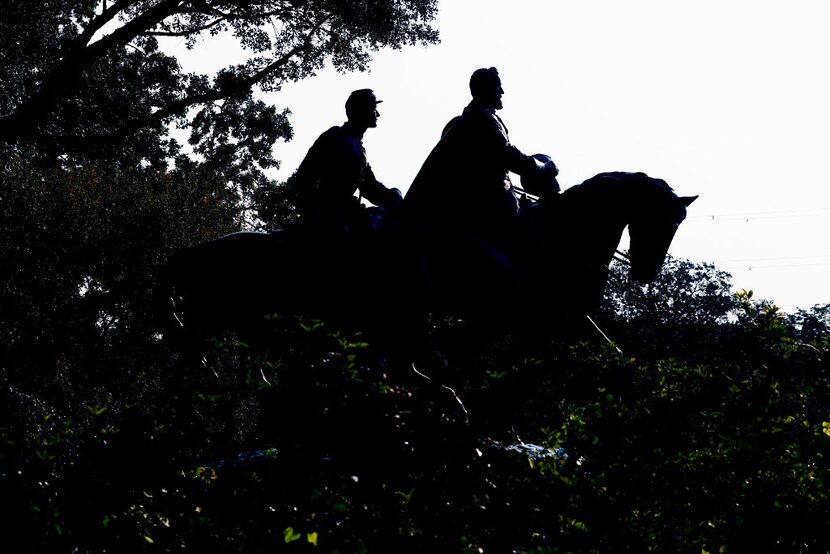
(725, 99)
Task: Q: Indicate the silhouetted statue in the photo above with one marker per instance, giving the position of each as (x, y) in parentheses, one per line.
(231, 282)
(464, 182)
(336, 167)
(463, 251)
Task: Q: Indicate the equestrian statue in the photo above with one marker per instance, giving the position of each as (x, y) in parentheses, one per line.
(463, 242)
(389, 287)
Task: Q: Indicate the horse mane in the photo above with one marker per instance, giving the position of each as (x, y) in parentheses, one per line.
(638, 181)
(616, 192)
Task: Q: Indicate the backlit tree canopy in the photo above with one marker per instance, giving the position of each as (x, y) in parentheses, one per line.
(88, 75)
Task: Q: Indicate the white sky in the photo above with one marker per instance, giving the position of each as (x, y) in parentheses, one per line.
(725, 99)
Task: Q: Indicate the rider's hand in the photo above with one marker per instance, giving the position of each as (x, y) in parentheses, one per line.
(550, 167)
(550, 171)
(395, 198)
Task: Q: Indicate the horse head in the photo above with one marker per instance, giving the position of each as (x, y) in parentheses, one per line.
(581, 228)
(658, 215)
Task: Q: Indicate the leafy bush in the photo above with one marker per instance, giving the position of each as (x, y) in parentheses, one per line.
(307, 442)
(81, 247)
(710, 434)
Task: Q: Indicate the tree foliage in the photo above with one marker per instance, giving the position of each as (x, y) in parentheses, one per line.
(89, 76)
(308, 443)
(710, 434)
(811, 325)
(681, 313)
(96, 195)
(81, 249)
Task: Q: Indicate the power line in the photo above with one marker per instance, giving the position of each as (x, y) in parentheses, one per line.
(775, 258)
(749, 216)
(752, 266)
(770, 263)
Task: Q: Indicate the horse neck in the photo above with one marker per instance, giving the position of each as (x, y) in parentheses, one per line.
(593, 219)
(606, 240)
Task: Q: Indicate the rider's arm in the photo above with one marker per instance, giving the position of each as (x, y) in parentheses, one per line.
(518, 162)
(543, 174)
(377, 193)
(501, 151)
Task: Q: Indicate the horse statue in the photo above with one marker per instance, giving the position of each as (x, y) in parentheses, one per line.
(390, 285)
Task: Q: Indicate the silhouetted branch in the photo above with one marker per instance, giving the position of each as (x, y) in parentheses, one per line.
(228, 89)
(185, 32)
(97, 23)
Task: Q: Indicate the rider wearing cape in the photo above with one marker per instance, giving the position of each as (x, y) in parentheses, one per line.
(464, 183)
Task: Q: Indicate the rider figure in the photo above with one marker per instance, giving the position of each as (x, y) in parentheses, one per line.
(464, 182)
(336, 166)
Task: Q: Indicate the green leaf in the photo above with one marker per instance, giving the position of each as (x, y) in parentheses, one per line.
(407, 496)
(96, 410)
(290, 535)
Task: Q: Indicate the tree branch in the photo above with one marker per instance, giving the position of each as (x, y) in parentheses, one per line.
(107, 15)
(132, 29)
(25, 118)
(178, 107)
(185, 32)
(235, 87)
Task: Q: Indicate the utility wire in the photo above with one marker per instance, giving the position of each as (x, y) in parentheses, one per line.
(750, 216)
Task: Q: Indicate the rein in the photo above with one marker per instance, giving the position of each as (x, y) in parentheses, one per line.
(601, 332)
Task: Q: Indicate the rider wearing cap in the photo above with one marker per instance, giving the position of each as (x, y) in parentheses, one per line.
(464, 182)
(336, 167)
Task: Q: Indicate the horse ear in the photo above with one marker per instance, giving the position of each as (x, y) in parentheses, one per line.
(686, 200)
